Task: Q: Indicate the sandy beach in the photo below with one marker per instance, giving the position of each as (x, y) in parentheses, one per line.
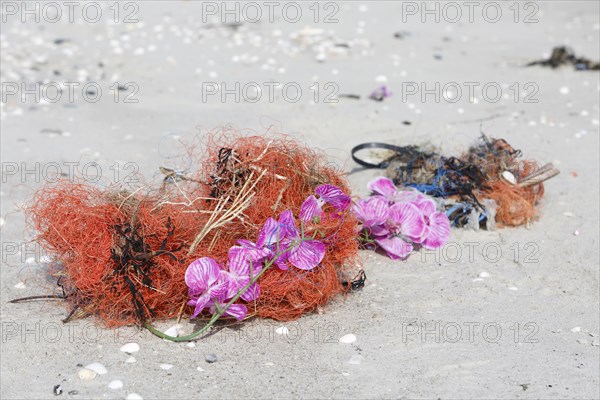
(108, 95)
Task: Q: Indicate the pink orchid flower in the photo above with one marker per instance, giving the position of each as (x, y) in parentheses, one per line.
(437, 225)
(243, 266)
(373, 213)
(405, 222)
(283, 239)
(208, 285)
(328, 194)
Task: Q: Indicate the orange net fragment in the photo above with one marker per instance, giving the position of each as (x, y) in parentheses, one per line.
(123, 253)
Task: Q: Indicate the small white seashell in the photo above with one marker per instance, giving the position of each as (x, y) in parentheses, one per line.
(514, 288)
(166, 367)
(348, 339)
(509, 177)
(20, 285)
(576, 233)
(133, 396)
(282, 330)
(576, 329)
(356, 359)
(130, 360)
(86, 374)
(97, 367)
(200, 369)
(568, 214)
(484, 275)
(116, 384)
(130, 348)
(191, 345)
(173, 331)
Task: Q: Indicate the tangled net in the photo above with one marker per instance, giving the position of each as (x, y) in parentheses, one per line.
(123, 254)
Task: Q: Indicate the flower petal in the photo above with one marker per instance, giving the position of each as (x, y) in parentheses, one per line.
(334, 196)
(426, 205)
(308, 254)
(239, 261)
(254, 254)
(221, 289)
(409, 219)
(408, 196)
(438, 232)
(287, 225)
(238, 311)
(199, 304)
(269, 233)
(373, 211)
(201, 273)
(383, 186)
(395, 247)
(251, 293)
(281, 260)
(310, 208)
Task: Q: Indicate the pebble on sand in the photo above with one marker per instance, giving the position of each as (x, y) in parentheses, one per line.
(57, 390)
(166, 367)
(282, 330)
(576, 329)
(130, 348)
(211, 358)
(356, 359)
(348, 339)
(20, 285)
(116, 384)
(86, 374)
(97, 368)
(484, 275)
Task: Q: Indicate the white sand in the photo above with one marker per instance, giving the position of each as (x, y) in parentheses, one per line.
(425, 328)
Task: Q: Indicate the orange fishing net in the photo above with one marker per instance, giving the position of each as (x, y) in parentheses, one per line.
(124, 253)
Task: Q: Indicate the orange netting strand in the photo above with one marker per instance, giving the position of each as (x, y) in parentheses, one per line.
(515, 205)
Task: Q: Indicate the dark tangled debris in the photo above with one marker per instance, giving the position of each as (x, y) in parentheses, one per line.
(358, 282)
(488, 183)
(229, 173)
(134, 256)
(563, 55)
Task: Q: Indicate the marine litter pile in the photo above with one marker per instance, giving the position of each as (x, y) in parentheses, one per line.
(489, 185)
(123, 254)
(264, 226)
